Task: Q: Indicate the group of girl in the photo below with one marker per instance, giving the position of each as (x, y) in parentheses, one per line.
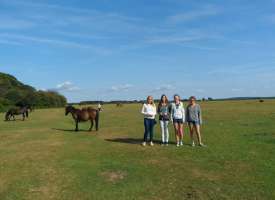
(176, 113)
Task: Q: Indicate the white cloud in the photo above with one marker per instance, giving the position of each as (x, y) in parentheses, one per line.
(66, 86)
(236, 89)
(164, 88)
(10, 23)
(173, 39)
(200, 90)
(119, 88)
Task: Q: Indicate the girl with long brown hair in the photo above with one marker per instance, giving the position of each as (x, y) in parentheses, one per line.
(163, 111)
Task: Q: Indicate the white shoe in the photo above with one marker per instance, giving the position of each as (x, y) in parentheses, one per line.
(166, 144)
(181, 144)
(143, 144)
(193, 144)
(178, 144)
(151, 144)
(202, 145)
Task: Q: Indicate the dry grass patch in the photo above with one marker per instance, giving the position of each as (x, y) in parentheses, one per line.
(113, 176)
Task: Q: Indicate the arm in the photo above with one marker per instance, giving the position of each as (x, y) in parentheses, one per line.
(143, 110)
(183, 114)
(155, 111)
(199, 114)
(158, 111)
(187, 113)
(171, 111)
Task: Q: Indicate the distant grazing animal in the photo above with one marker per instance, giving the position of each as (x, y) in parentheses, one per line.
(83, 115)
(24, 111)
(119, 105)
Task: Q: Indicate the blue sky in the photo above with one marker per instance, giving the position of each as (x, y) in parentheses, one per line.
(128, 49)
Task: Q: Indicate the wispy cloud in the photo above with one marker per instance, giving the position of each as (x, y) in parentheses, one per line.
(11, 23)
(172, 39)
(67, 86)
(17, 38)
(163, 88)
(205, 11)
(9, 42)
(199, 90)
(236, 89)
(121, 88)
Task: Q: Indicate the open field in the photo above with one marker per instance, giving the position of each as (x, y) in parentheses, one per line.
(42, 158)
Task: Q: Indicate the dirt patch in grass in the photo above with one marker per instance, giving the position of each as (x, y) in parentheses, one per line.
(202, 174)
(113, 176)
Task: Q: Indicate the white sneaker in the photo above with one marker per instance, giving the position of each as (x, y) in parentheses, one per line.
(143, 144)
(166, 144)
(181, 144)
(178, 144)
(202, 145)
(151, 144)
(193, 144)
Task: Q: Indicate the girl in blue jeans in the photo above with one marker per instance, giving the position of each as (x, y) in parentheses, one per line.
(149, 111)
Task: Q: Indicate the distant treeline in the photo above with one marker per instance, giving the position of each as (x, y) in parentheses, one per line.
(157, 100)
(15, 93)
(244, 98)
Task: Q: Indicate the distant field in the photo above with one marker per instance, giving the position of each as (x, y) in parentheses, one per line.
(42, 158)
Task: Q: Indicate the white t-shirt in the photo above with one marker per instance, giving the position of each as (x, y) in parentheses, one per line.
(177, 111)
(149, 111)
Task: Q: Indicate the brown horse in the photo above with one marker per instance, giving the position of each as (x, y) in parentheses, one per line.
(83, 115)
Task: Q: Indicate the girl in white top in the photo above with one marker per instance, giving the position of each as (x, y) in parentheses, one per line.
(178, 118)
(149, 111)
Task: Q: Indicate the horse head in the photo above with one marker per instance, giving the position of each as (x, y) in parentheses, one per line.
(7, 117)
(69, 109)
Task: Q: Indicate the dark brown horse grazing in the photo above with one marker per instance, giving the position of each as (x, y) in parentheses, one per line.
(17, 111)
(83, 115)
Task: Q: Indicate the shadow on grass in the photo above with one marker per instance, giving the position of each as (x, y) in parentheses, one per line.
(130, 140)
(69, 130)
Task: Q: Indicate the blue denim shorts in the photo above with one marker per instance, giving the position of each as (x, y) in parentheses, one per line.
(177, 121)
(194, 123)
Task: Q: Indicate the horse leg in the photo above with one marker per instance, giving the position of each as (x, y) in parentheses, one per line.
(23, 116)
(92, 125)
(76, 125)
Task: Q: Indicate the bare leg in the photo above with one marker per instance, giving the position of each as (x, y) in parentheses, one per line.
(191, 129)
(198, 133)
(176, 126)
(180, 132)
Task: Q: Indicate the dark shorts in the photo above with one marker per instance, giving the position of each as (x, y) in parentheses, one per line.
(177, 121)
(194, 123)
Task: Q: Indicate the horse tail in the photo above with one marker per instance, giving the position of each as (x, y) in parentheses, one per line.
(97, 120)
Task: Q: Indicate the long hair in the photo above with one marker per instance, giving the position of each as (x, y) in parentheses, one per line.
(165, 101)
(147, 101)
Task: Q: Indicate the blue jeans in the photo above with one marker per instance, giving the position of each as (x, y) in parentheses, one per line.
(149, 129)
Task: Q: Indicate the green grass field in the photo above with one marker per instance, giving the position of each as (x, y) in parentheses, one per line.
(42, 158)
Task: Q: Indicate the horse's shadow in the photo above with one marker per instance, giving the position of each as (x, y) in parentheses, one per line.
(69, 130)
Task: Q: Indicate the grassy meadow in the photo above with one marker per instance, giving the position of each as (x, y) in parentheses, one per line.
(43, 159)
